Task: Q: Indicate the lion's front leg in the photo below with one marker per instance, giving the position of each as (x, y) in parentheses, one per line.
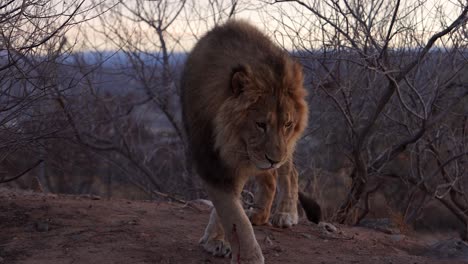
(286, 210)
(213, 239)
(237, 227)
(260, 213)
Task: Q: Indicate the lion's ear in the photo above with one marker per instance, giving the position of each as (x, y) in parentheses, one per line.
(240, 77)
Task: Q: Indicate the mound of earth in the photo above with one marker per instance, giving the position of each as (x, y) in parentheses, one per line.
(40, 228)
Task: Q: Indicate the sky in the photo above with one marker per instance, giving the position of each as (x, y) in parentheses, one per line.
(289, 24)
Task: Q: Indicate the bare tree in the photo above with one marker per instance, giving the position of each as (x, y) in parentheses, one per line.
(377, 63)
(31, 45)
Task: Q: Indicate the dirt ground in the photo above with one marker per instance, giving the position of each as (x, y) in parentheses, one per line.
(40, 228)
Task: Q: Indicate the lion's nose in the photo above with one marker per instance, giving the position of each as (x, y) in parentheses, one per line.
(272, 161)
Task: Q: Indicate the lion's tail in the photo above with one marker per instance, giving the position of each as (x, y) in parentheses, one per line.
(311, 207)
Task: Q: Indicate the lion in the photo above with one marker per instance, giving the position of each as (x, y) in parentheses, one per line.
(244, 109)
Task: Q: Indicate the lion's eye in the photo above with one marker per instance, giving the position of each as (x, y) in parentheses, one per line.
(288, 124)
(261, 125)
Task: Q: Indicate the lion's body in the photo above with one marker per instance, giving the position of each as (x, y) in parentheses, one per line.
(243, 110)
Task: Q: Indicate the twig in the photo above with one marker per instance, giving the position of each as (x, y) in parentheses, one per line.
(168, 196)
(175, 199)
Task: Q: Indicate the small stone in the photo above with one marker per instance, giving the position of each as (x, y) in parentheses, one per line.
(397, 238)
(76, 236)
(141, 211)
(306, 235)
(133, 222)
(41, 226)
(278, 249)
(268, 241)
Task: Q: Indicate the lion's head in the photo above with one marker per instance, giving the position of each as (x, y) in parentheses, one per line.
(265, 115)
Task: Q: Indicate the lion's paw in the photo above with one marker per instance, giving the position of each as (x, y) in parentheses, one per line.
(280, 219)
(257, 216)
(219, 248)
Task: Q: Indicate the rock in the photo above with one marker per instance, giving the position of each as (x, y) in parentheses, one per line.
(268, 241)
(203, 202)
(397, 238)
(141, 211)
(278, 249)
(451, 248)
(41, 226)
(133, 222)
(327, 227)
(89, 196)
(76, 237)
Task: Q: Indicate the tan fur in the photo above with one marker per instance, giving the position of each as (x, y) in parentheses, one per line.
(260, 213)
(243, 109)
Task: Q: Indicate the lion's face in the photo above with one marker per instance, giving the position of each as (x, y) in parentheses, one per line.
(267, 130)
(263, 118)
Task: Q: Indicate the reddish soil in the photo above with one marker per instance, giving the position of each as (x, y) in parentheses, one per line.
(39, 228)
